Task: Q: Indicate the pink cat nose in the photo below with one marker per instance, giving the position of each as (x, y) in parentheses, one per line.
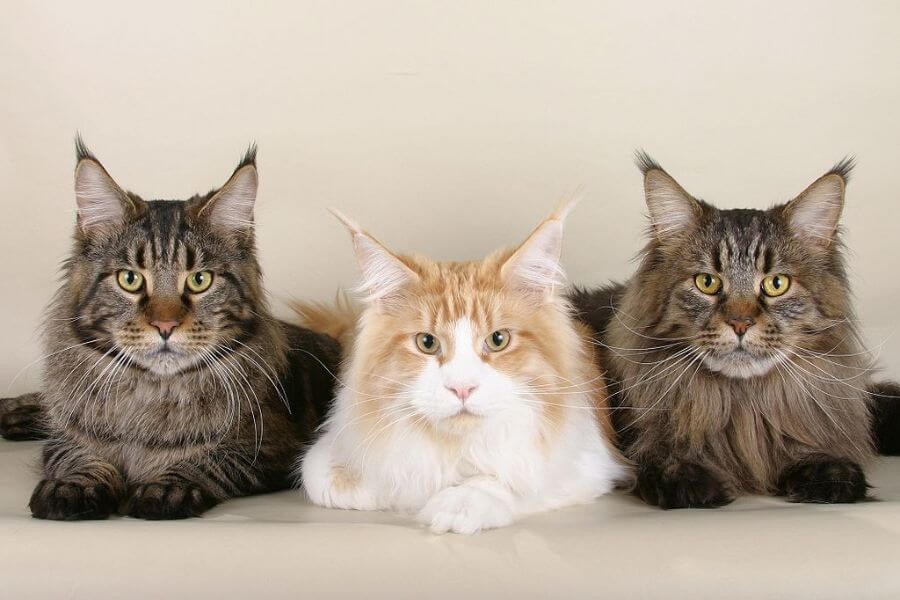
(165, 327)
(462, 391)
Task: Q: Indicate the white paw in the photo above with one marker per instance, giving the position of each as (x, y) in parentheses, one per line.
(464, 509)
(333, 486)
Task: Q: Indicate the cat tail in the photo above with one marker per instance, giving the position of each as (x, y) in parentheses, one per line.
(337, 319)
(886, 416)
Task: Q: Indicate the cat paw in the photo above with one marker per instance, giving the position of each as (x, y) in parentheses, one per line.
(685, 485)
(334, 495)
(334, 485)
(824, 480)
(67, 500)
(166, 500)
(464, 509)
(21, 423)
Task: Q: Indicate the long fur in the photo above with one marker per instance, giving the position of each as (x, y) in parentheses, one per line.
(534, 435)
(337, 320)
(704, 426)
(168, 434)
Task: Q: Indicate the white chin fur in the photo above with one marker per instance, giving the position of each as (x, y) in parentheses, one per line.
(741, 366)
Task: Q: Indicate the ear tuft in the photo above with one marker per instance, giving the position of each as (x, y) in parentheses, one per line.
(534, 268)
(346, 221)
(249, 157)
(645, 162)
(814, 214)
(231, 208)
(672, 210)
(843, 168)
(81, 150)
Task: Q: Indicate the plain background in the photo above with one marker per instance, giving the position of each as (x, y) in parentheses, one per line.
(448, 128)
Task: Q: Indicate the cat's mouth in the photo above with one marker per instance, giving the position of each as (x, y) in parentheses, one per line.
(463, 411)
(463, 418)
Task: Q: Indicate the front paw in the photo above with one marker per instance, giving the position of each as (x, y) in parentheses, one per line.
(824, 480)
(463, 509)
(683, 485)
(72, 500)
(163, 500)
(21, 423)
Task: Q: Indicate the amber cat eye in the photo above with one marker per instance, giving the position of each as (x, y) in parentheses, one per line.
(199, 281)
(130, 281)
(498, 340)
(708, 283)
(427, 343)
(776, 285)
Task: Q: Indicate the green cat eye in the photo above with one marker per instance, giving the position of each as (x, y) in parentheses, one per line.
(708, 283)
(498, 340)
(776, 285)
(427, 343)
(199, 281)
(130, 281)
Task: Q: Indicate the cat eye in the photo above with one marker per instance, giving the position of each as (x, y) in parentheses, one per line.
(498, 340)
(130, 281)
(776, 285)
(708, 283)
(427, 343)
(199, 281)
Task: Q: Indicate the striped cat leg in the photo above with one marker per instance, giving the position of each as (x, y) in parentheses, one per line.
(192, 487)
(78, 485)
(21, 417)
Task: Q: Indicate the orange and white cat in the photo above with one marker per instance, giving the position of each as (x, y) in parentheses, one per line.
(469, 397)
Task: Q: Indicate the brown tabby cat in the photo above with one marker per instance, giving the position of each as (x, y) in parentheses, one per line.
(169, 387)
(734, 351)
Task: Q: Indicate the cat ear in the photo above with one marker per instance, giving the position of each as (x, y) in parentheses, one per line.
(102, 204)
(815, 213)
(534, 267)
(383, 273)
(231, 208)
(672, 210)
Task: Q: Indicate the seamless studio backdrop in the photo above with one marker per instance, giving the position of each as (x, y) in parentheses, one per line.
(444, 128)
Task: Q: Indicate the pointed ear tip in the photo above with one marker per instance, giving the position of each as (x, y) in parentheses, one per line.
(835, 184)
(563, 209)
(247, 170)
(88, 162)
(838, 178)
(656, 173)
(345, 220)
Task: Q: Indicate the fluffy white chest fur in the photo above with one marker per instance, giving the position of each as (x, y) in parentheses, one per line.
(499, 471)
(479, 463)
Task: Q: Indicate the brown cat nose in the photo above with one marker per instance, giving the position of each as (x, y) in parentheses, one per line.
(462, 391)
(165, 327)
(741, 324)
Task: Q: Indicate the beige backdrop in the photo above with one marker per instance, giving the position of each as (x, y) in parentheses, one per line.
(446, 127)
